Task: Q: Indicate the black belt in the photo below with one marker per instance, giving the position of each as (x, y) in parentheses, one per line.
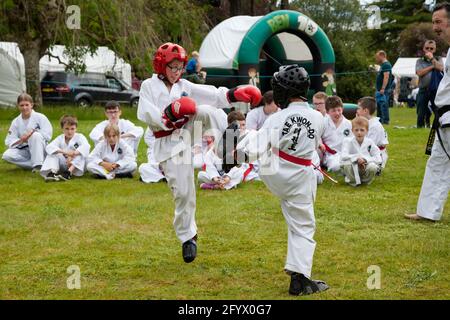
(440, 111)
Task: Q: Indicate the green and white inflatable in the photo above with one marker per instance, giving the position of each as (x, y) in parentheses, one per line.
(244, 44)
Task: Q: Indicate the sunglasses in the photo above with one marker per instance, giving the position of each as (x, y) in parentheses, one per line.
(430, 48)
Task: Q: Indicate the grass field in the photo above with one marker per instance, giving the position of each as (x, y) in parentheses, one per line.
(119, 233)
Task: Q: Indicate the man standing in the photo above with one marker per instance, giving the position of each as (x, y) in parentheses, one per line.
(383, 86)
(424, 69)
(436, 182)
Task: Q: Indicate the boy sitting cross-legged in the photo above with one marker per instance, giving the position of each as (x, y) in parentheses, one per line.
(360, 158)
(112, 157)
(67, 154)
(367, 107)
(337, 128)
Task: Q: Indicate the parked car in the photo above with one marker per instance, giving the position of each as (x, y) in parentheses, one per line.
(86, 89)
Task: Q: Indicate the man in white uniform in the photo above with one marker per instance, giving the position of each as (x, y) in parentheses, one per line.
(129, 132)
(27, 136)
(171, 107)
(288, 141)
(436, 182)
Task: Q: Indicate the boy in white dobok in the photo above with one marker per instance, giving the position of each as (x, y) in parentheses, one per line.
(257, 116)
(67, 154)
(286, 144)
(129, 132)
(150, 172)
(367, 107)
(360, 156)
(213, 176)
(112, 157)
(27, 136)
(172, 107)
(337, 128)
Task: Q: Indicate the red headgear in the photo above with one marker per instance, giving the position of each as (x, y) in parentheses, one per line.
(167, 53)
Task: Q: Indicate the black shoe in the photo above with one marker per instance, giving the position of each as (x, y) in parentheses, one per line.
(301, 285)
(97, 176)
(51, 177)
(65, 176)
(124, 175)
(190, 250)
(36, 169)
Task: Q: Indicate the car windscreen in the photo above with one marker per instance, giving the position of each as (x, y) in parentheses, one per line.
(91, 80)
(55, 78)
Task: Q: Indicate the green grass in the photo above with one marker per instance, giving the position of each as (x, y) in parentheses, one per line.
(120, 234)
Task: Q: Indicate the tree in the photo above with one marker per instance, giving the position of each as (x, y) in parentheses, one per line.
(132, 28)
(413, 37)
(344, 22)
(396, 16)
(31, 24)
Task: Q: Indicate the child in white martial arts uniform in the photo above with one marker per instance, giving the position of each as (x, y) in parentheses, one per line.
(112, 157)
(360, 156)
(286, 144)
(168, 103)
(27, 136)
(150, 172)
(257, 116)
(367, 107)
(318, 100)
(337, 128)
(129, 132)
(67, 154)
(214, 177)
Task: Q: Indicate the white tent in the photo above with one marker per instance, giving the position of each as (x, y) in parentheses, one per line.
(12, 73)
(406, 67)
(12, 70)
(104, 60)
(220, 46)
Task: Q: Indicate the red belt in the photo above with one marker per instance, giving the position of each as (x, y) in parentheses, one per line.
(247, 172)
(381, 148)
(293, 159)
(328, 149)
(162, 133)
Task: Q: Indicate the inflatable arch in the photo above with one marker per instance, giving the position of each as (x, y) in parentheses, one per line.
(241, 44)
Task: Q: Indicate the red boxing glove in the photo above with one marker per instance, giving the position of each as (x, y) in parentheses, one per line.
(178, 111)
(249, 94)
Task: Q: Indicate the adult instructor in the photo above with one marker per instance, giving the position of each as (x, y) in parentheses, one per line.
(436, 182)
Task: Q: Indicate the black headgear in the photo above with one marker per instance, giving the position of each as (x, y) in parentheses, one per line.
(290, 81)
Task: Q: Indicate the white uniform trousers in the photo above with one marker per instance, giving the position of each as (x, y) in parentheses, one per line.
(150, 172)
(95, 168)
(436, 182)
(355, 176)
(301, 227)
(28, 157)
(57, 162)
(179, 172)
